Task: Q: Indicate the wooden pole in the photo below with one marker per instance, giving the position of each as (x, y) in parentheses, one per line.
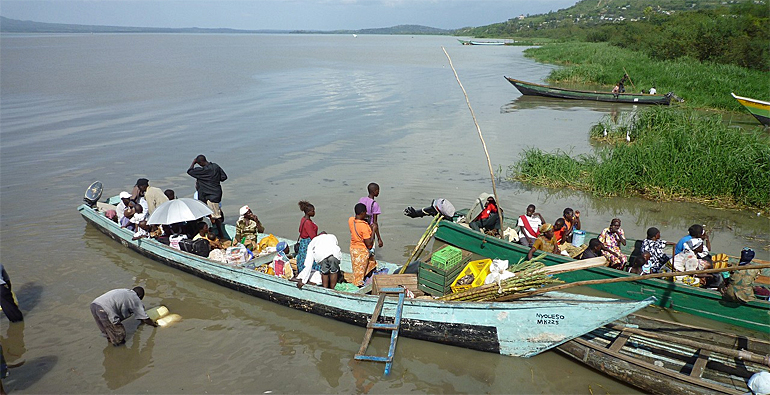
(740, 354)
(478, 128)
(629, 79)
(629, 278)
(423, 241)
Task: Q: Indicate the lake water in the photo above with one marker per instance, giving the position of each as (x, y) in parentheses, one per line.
(288, 117)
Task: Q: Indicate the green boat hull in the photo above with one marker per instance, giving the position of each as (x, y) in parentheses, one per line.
(706, 303)
(531, 89)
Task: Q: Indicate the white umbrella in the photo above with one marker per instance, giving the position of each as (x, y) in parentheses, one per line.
(178, 210)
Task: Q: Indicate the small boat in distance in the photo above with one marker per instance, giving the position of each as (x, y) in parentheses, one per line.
(472, 42)
(532, 89)
(522, 328)
(664, 357)
(758, 108)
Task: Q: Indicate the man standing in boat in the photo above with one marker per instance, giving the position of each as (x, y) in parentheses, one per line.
(209, 176)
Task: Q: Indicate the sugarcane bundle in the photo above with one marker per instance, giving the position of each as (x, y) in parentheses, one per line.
(527, 275)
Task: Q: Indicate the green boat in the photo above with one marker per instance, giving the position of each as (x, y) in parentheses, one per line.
(531, 89)
(706, 303)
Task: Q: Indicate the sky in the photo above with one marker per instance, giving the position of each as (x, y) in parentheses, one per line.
(277, 14)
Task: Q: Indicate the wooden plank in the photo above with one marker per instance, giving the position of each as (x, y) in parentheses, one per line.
(369, 330)
(394, 280)
(620, 341)
(576, 265)
(700, 364)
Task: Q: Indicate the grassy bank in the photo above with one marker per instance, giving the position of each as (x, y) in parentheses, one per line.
(673, 155)
(702, 85)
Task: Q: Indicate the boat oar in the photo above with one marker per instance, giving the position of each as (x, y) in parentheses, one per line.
(740, 354)
(423, 241)
(629, 278)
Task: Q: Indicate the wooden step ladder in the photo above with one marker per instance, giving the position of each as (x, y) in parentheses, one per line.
(393, 327)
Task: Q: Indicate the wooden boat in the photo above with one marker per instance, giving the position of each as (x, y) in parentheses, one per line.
(702, 302)
(663, 357)
(472, 42)
(758, 108)
(531, 89)
(523, 328)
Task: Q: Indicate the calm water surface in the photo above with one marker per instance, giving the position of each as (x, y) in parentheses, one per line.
(288, 117)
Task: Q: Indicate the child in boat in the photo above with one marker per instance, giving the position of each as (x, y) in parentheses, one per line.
(280, 264)
(528, 226)
(636, 266)
(612, 237)
(654, 245)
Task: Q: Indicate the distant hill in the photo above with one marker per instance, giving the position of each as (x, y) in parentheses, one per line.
(589, 13)
(8, 25)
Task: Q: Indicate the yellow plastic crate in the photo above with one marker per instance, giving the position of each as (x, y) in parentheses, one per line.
(479, 269)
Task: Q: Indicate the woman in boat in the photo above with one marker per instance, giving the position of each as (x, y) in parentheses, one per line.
(545, 242)
(489, 219)
(307, 231)
(361, 240)
(612, 237)
(247, 227)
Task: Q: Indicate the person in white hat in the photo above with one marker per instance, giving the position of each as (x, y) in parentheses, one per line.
(125, 202)
(247, 227)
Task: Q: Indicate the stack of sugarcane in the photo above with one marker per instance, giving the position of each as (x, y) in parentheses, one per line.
(527, 275)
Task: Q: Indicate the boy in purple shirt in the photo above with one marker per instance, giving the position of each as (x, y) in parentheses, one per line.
(373, 210)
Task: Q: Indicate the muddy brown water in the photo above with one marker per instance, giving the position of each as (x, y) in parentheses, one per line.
(288, 117)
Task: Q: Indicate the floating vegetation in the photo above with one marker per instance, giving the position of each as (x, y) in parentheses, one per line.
(672, 155)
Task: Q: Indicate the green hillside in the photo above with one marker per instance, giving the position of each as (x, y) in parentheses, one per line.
(590, 13)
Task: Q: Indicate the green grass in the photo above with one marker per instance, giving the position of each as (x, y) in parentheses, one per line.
(702, 85)
(673, 155)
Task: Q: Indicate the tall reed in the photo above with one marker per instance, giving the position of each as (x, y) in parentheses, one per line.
(673, 154)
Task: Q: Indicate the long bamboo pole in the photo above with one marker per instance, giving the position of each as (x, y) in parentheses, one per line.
(630, 278)
(740, 354)
(423, 241)
(478, 129)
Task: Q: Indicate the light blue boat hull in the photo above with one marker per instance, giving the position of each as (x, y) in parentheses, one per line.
(521, 328)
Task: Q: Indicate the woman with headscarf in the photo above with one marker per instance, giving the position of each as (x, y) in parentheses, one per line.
(280, 264)
(307, 231)
(247, 227)
(544, 242)
(612, 237)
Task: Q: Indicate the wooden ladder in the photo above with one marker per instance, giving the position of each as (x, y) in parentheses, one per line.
(393, 327)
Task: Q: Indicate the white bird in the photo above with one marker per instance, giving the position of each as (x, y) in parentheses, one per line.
(605, 132)
(628, 136)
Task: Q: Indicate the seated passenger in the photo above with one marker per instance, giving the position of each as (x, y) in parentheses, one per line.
(688, 260)
(280, 264)
(489, 219)
(637, 265)
(125, 202)
(204, 232)
(528, 226)
(696, 231)
(126, 221)
(595, 249)
(654, 246)
(571, 220)
(612, 237)
(545, 242)
(247, 228)
(740, 286)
